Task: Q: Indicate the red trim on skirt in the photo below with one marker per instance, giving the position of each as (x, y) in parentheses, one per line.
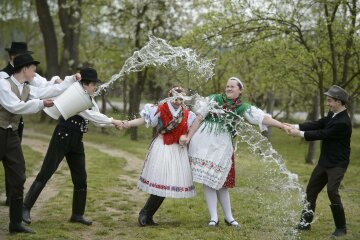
(230, 179)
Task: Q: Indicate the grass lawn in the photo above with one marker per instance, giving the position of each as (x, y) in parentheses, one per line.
(258, 202)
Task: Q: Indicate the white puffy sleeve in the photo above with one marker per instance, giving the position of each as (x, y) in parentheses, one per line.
(202, 106)
(150, 114)
(191, 118)
(255, 115)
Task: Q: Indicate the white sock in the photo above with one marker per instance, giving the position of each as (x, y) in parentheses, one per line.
(224, 199)
(211, 200)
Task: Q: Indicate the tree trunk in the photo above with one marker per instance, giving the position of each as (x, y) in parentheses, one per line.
(270, 103)
(47, 28)
(70, 16)
(48, 31)
(135, 94)
(310, 156)
(352, 108)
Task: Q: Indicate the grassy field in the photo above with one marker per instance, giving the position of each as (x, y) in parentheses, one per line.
(114, 201)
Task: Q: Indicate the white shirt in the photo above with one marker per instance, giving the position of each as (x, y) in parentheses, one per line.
(38, 80)
(13, 104)
(96, 117)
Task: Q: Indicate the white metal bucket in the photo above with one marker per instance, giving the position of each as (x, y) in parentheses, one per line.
(70, 102)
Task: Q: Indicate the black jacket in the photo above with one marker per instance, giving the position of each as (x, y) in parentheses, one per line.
(335, 134)
(9, 69)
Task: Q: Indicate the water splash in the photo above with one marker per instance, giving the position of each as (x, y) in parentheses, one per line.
(280, 192)
(157, 52)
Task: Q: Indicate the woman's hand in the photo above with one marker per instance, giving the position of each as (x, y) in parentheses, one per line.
(183, 140)
(120, 124)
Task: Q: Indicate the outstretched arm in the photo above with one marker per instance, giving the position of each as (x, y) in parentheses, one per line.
(136, 122)
(128, 124)
(269, 121)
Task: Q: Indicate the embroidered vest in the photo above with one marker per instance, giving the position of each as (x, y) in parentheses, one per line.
(7, 118)
(173, 135)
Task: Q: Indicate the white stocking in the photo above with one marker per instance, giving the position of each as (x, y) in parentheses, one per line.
(224, 199)
(211, 200)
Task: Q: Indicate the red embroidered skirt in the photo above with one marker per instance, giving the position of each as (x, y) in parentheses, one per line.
(230, 179)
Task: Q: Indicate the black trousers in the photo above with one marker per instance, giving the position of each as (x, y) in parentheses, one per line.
(320, 177)
(13, 161)
(20, 133)
(65, 143)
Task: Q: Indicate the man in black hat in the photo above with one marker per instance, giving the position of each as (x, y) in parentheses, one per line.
(16, 49)
(17, 98)
(67, 142)
(335, 132)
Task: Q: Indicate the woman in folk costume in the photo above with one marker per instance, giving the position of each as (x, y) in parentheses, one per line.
(166, 171)
(211, 149)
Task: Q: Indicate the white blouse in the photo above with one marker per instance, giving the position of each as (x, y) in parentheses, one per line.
(149, 111)
(253, 115)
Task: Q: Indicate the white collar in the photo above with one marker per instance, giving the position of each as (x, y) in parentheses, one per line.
(336, 113)
(18, 84)
(172, 109)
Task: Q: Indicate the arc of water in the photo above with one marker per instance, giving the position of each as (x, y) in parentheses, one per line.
(157, 52)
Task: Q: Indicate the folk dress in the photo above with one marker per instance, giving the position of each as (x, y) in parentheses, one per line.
(166, 171)
(211, 150)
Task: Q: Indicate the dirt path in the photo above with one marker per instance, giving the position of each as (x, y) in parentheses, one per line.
(39, 143)
(50, 190)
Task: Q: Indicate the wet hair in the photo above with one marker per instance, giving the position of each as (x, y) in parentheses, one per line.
(176, 89)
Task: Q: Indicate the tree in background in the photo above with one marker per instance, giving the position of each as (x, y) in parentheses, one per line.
(302, 46)
(69, 16)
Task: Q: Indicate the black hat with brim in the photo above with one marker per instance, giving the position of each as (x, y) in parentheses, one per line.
(18, 47)
(89, 74)
(24, 60)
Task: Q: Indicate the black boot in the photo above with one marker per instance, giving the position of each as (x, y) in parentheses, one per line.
(30, 200)
(15, 225)
(143, 216)
(78, 207)
(146, 214)
(307, 216)
(339, 219)
(156, 202)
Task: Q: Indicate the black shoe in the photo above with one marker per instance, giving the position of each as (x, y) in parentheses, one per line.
(26, 215)
(232, 223)
(80, 219)
(213, 223)
(19, 228)
(143, 218)
(339, 232)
